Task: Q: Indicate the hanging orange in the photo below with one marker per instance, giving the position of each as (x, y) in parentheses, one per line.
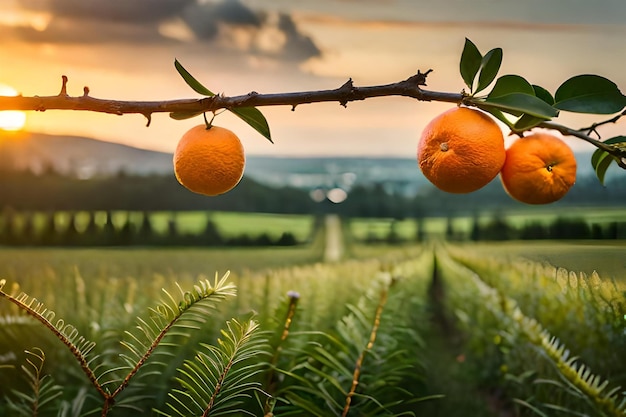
(539, 169)
(461, 150)
(209, 161)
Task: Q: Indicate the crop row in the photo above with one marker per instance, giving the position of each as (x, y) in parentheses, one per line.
(404, 333)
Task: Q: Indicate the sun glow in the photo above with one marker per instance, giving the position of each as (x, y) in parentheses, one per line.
(11, 119)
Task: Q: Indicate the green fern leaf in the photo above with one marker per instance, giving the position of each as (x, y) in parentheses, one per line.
(169, 324)
(44, 395)
(351, 371)
(223, 376)
(79, 346)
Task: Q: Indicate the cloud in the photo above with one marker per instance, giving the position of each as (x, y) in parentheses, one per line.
(204, 18)
(266, 34)
(297, 45)
(222, 25)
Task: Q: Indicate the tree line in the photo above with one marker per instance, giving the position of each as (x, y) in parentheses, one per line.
(498, 228)
(561, 228)
(24, 190)
(19, 229)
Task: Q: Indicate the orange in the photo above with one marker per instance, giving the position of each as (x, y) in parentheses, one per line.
(461, 150)
(209, 161)
(539, 169)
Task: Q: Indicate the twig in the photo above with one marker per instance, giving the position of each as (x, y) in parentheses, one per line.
(594, 126)
(619, 153)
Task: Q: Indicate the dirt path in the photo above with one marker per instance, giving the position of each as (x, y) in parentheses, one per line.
(333, 250)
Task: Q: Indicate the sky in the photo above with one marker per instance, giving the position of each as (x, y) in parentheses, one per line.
(125, 50)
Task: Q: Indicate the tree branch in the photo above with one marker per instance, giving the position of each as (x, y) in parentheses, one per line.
(619, 153)
(411, 87)
(344, 94)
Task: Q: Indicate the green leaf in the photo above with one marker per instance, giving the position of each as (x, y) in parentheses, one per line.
(520, 103)
(254, 118)
(182, 115)
(543, 94)
(508, 84)
(527, 122)
(490, 65)
(603, 162)
(595, 157)
(471, 60)
(497, 114)
(250, 115)
(617, 141)
(589, 94)
(191, 81)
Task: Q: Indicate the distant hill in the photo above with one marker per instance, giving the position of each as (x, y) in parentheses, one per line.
(87, 157)
(78, 155)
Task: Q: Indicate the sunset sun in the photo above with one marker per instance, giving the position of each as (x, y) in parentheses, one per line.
(9, 119)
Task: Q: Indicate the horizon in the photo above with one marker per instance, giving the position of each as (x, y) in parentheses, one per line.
(585, 151)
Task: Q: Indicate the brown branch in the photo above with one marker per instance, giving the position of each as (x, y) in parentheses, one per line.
(411, 87)
(594, 126)
(619, 153)
(343, 95)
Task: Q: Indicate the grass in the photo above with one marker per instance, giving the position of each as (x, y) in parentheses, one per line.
(362, 229)
(35, 264)
(604, 257)
(101, 291)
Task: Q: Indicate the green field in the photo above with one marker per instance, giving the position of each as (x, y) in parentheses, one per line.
(426, 329)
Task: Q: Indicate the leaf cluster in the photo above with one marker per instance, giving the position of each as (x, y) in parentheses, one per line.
(522, 106)
(251, 115)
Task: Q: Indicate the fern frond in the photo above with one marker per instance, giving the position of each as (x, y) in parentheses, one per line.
(79, 346)
(352, 371)
(175, 317)
(222, 376)
(172, 317)
(44, 392)
(281, 333)
(578, 377)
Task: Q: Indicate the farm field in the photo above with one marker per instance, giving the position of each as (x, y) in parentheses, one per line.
(426, 329)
